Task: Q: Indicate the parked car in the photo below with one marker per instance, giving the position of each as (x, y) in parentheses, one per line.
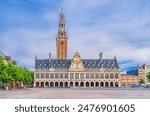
(146, 86)
(136, 85)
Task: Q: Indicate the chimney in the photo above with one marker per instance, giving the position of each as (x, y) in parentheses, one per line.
(49, 57)
(101, 56)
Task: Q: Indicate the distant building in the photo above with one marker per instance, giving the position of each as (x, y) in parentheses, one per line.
(7, 58)
(140, 71)
(128, 79)
(146, 68)
(133, 72)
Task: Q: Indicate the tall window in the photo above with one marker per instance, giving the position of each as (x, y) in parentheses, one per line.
(116, 75)
(42, 75)
(106, 76)
(82, 75)
(92, 75)
(47, 75)
(76, 75)
(51, 75)
(101, 75)
(111, 75)
(66, 75)
(71, 76)
(61, 75)
(87, 75)
(37, 75)
(56, 75)
(97, 76)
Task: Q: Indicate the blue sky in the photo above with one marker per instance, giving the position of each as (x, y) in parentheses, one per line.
(114, 27)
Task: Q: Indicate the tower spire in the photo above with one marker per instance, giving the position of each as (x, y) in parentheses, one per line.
(61, 29)
(61, 38)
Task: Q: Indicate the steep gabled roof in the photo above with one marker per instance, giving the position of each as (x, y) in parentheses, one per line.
(88, 64)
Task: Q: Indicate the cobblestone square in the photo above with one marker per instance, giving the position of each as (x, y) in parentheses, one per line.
(76, 93)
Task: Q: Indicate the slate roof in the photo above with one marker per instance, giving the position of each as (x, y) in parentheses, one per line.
(88, 64)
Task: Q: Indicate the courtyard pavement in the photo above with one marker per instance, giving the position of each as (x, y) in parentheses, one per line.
(76, 93)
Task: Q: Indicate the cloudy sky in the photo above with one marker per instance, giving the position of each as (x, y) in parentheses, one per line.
(114, 27)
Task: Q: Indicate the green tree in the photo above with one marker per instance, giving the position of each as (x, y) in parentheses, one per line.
(10, 72)
(141, 81)
(148, 77)
(4, 75)
(2, 68)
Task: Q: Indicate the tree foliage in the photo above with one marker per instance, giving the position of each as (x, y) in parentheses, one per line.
(141, 81)
(148, 77)
(10, 72)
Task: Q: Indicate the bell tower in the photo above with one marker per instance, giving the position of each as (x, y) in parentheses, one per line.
(61, 40)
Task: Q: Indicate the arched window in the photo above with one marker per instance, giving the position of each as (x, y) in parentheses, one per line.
(97, 84)
(56, 84)
(101, 84)
(66, 84)
(116, 84)
(87, 84)
(42, 84)
(51, 84)
(111, 84)
(76, 84)
(71, 84)
(106, 84)
(47, 84)
(82, 84)
(37, 84)
(61, 84)
(92, 84)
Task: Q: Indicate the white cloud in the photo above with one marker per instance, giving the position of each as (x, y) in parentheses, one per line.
(23, 45)
(119, 34)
